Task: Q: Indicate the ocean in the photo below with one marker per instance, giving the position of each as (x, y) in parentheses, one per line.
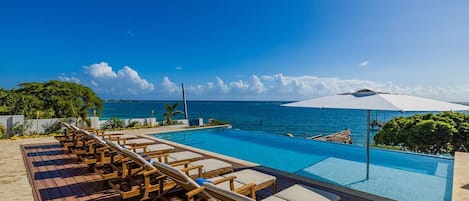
(267, 116)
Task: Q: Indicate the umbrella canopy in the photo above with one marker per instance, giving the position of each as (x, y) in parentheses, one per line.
(366, 99)
(370, 100)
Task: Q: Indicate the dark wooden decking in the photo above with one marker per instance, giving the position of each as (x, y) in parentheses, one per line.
(55, 175)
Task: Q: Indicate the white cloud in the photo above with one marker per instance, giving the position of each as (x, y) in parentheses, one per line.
(178, 68)
(125, 83)
(132, 76)
(221, 85)
(256, 84)
(282, 87)
(364, 63)
(168, 87)
(239, 85)
(69, 79)
(100, 70)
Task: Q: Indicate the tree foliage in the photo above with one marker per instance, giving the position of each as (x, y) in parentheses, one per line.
(52, 99)
(171, 112)
(442, 133)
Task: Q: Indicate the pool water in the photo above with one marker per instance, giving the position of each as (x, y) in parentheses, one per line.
(395, 175)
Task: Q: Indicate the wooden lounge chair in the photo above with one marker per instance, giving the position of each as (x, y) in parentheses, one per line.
(293, 193)
(247, 176)
(248, 188)
(142, 182)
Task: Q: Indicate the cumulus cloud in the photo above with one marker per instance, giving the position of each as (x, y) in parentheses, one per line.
(168, 87)
(123, 83)
(283, 87)
(178, 68)
(221, 85)
(69, 79)
(100, 70)
(364, 63)
(127, 83)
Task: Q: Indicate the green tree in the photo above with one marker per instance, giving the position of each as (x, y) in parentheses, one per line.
(171, 112)
(52, 99)
(441, 133)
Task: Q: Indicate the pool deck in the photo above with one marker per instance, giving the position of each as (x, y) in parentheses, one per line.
(461, 177)
(54, 175)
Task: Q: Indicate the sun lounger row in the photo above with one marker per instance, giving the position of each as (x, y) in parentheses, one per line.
(136, 166)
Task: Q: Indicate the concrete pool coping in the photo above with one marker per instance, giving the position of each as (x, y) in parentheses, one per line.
(461, 177)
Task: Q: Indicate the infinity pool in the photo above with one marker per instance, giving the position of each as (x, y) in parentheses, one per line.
(395, 175)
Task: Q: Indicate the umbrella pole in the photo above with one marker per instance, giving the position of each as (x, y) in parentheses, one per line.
(368, 145)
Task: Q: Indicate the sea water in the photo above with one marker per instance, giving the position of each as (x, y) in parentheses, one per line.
(266, 116)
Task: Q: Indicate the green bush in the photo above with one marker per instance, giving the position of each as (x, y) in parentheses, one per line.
(113, 123)
(20, 129)
(214, 122)
(442, 133)
(54, 127)
(3, 131)
(133, 124)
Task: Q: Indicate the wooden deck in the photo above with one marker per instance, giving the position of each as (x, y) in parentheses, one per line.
(54, 175)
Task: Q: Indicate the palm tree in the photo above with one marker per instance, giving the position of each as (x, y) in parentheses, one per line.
(170, 112)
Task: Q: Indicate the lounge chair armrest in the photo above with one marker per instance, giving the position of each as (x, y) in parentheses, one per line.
(190, 195)
(100, 149)
(250, 187)
(224, 179)
(187, 169)
(185, 163)
(161, 157)
(150, 172)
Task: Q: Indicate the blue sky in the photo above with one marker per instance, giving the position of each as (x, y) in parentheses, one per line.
(239, 50)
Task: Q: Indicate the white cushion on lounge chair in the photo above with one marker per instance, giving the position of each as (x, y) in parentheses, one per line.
(211, 164)
(251, 176)
(226, 193)
(302, 193)
(159, 147)
(272, 198)
(156, 148)
(127, 136)
(140, 141)
(183, 156)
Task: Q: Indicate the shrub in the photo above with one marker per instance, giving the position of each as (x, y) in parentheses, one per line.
(442, 133)
(132, 124)
(214, 122)
(20, 129)
(113, 123)
(3, 131)
(54, 127)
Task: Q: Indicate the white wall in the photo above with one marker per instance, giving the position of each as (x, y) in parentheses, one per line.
(37, 125)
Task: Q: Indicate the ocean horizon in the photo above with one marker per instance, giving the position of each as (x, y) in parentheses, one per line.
(266, 116)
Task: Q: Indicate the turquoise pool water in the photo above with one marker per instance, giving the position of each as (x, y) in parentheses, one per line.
(396, 175)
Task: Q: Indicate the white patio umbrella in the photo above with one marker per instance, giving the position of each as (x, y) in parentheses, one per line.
(366, 99)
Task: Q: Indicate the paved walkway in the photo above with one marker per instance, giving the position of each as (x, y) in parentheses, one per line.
(14, 184)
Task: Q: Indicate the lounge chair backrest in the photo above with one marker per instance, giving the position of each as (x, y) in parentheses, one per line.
(138, 159)
(225, 195)
(113, 146)
(180, 178)
(98, 139)
(130, 154)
